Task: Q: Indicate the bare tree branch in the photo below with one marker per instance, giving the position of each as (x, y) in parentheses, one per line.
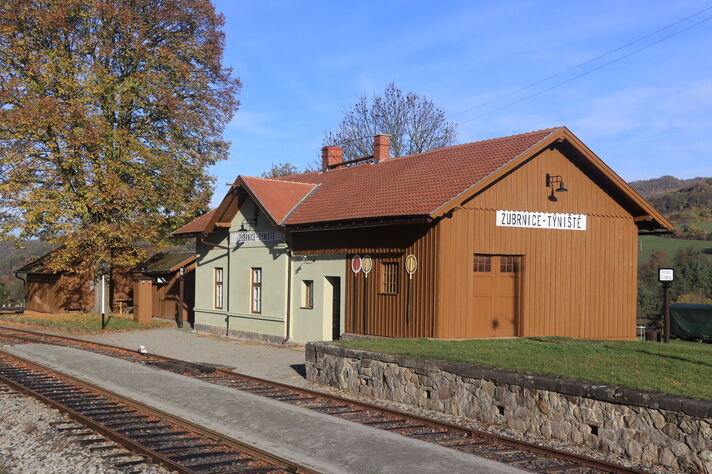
(414, 123)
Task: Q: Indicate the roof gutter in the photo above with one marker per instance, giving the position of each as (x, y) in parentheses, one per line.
(357, 224)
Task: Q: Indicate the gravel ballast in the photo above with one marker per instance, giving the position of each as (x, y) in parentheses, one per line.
(29, 443)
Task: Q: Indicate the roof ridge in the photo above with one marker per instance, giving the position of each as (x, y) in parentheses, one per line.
(460, 145)
(304, 198)
(281, 180)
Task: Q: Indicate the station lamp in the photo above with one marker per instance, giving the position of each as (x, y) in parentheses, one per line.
(551, 180)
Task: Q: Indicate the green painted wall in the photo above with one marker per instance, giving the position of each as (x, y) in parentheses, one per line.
(271, 257)
(315, 324)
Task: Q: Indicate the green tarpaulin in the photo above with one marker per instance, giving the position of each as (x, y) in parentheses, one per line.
(691, 321)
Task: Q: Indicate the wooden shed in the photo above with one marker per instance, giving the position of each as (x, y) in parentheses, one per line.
(157, 287)
(52, 292)
(526, 235)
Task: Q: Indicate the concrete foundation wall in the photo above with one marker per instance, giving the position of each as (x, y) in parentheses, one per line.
(670, 431)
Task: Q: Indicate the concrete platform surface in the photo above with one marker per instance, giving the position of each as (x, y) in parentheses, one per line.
(314, 440)
(284, 364)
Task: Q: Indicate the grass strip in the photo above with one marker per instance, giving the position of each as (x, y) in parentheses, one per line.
(80, 322)
(679, 368)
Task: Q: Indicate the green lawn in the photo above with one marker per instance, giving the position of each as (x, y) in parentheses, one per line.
(648, 243)
(679, 368)
(80, 322)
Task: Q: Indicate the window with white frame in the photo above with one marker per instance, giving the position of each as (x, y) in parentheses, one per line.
(256, 290)
(218, 279)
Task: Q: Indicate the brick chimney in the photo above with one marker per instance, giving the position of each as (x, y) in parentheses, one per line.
(381, 147)
(330, 156)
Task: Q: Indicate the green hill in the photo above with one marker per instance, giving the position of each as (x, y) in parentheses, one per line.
(649, 188)
(690, 203)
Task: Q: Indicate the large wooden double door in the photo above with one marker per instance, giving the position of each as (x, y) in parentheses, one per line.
(495, 310)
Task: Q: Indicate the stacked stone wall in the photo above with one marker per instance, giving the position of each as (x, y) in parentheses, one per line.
(670, 431)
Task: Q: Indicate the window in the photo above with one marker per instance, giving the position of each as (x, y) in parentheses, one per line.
(307, 294)
(218, 288)
(389, 278)
(508, 264)
(482, 263)
(257, 290)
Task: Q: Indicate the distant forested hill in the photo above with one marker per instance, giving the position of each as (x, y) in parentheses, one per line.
(689, 203)
(664, 184)
(12, 257)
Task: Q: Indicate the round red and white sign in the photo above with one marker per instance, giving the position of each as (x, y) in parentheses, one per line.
(356, 264)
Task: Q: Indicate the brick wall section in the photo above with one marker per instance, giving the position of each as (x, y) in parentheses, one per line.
(661, 429)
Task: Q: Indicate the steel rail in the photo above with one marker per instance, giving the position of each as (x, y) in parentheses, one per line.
(149, 410)
(472, 433)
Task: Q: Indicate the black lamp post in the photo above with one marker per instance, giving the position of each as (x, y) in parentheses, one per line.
(181, 274)
(666, 276)
(103, 268)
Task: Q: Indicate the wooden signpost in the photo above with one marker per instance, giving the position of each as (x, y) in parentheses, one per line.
(411, 265)
(366, 266)
(355, 267)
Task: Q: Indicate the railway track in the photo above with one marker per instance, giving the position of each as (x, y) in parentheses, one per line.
(516, 453)
(177, 444)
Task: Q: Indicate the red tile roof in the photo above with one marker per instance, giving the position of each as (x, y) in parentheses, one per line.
(277, 197)
(425, 184)
(198, 225)
(406, 186)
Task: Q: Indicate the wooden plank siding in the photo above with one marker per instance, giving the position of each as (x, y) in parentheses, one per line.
(166, 297)
(63, 292)
(574, 283)
(386, 313)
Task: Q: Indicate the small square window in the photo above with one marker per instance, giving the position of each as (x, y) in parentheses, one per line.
(482, 263)
(307, 294)
(508, 264)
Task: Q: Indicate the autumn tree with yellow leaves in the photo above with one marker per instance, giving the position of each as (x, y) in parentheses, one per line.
(110, 113)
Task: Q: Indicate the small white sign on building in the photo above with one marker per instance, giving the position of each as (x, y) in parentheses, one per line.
(270, 236)
(541, 220)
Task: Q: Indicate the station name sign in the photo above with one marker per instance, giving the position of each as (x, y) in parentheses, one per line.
(541, 220)
(242, 237)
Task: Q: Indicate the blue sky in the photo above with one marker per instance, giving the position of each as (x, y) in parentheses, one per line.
(303, 63)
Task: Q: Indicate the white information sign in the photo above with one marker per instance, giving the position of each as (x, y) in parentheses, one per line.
(541, 220)
(242, 237)
(666, 274)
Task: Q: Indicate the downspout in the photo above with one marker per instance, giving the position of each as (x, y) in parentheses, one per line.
(227, 294)
(289, 293)
(24, 289)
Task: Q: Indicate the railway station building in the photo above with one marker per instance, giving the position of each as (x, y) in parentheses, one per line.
(526, 235)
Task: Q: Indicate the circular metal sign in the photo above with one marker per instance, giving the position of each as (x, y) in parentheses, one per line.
(411, 264)
(366, 264)
(356, 264)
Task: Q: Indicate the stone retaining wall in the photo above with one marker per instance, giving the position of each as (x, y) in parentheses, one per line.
(660, 429)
